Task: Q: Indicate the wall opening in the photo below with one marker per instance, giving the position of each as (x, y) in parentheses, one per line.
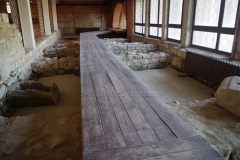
(119, 17)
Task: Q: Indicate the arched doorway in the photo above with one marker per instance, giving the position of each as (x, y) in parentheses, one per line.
(119, 17)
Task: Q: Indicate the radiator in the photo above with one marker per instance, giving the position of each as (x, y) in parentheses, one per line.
(209, 68)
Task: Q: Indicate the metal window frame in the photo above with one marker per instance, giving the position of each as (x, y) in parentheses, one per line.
(155, 25)
(218, 29)
(179, 26)
(139, 24)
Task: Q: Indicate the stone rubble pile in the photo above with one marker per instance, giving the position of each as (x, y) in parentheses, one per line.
(62, 58)
(138, 55)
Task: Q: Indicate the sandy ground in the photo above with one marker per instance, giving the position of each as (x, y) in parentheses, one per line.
(47, 132)
(171, 87)
(54, 132)
(193, 102)
(217, 125)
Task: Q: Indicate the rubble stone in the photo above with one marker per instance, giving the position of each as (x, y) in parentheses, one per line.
(228, 94)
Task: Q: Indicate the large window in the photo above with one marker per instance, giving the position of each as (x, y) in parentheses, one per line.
(140, 16)
(175, 20)
(155, 27)
(214, 24)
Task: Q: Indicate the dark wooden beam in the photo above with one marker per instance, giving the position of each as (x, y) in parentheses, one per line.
(113, 2)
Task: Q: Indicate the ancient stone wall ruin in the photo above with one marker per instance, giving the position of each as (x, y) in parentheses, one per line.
(138, 55)
(61, 58)
(15, 60)
(173, 49)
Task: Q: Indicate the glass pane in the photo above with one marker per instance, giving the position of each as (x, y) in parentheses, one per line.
(143, 27)
(138, 29)
(205, 39)
(230, 13)
(207, 12)
(144, 4)
(138, 11)
(174, 33)
(175, 15)
(154, 12)
(160, 11)
(153, 31)
(159, 32)
(226, 42)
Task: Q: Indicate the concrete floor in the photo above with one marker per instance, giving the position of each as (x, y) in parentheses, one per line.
(169, 87)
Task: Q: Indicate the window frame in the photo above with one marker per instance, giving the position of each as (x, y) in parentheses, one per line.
(155, 25)
(139, 24)
(218, 29)
(178, 26)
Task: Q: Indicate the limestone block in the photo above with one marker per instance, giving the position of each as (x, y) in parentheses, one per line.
(144, 61)
(9, 81)
(177, 62)
(153, 60)
(61, 71)
(137, 64)
(48, 67)
(68, 68)
(3, 91)
(152, 66)
(76, 68)
(165, 44)
(228, 94)
(131, 53)
(130, 57)
(129, 63)
(146, 56)
(145, 66)
(179, 53)
(1, 80)
(55, 66)
(163, 60)
(72, 62)
(138, 56)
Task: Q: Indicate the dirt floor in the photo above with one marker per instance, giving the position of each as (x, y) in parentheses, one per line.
(194, 103)
(54, 132)
(47, 132)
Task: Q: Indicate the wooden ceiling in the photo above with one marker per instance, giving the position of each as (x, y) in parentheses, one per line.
(88, 2)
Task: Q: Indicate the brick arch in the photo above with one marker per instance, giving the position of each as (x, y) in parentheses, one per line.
(116, 15)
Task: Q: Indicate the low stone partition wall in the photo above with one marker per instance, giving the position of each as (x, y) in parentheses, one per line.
(178, 54)
(61, 58)
(144, 61)
(122, 46)
(138, 55)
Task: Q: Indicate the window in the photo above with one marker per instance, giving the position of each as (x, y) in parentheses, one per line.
(214, 24)
(140, 16)
(155, 18)
(175, 20)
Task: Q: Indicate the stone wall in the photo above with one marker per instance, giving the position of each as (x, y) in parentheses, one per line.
(61, 58)
(15, 61)
(173, 49)
(68, 22)
(138, 55)
(123, 21)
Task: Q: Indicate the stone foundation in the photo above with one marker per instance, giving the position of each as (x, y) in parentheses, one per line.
(62, 58)
(173, 49)
(138, 55)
